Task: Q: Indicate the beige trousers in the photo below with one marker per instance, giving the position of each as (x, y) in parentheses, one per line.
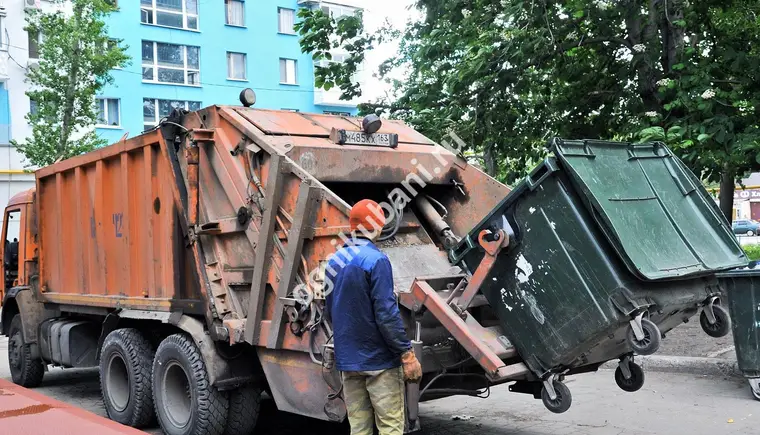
(375, 397)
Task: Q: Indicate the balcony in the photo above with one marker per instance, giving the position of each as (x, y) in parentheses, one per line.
(332, 98)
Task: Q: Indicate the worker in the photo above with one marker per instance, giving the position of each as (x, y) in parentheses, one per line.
(372, 351)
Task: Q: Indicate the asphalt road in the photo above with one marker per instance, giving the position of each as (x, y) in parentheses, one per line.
(668, 404)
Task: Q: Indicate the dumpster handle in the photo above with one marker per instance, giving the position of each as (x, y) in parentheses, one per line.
(559, 148)
(455, 256)
(541, 173)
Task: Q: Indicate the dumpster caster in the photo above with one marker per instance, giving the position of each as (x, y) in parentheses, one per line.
(714, 320)
(644, 336)
(556, 396)
(629, 376)
(754, 386)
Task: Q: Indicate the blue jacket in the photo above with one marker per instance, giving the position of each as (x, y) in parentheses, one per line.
(368, 331)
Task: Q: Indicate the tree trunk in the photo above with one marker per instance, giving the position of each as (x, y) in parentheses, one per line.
(490, 161)
(727, 186)
(644, 33)
(70, 95)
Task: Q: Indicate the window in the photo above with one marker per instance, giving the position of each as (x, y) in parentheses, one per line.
(182, 14)
(170, 63)
(34, 44)
(291, 110)
(108, 112)
(334, 58)
(286, 20)
(330, 112)
(110, 45)
(288, 71)
(236, 66)
(154, 109)
(32, 107)
(341, 58)
(337, 12)
(234, 12)
(12, 232)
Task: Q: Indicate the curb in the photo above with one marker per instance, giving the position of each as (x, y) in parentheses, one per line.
(716, 367)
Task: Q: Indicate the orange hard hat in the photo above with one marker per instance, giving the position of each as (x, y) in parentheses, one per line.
(368, 214)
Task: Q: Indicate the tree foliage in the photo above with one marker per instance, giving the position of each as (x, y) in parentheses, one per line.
(76, 57)
(321, 35)
(508, 74)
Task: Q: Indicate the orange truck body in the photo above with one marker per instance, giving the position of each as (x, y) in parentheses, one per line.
(220, 217)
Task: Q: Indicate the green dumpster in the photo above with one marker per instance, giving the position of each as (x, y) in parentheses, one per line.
(611, 245)
(742, 287)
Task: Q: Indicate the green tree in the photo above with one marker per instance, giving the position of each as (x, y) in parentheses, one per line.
(508, 74)
(321, 34)
(76, 57)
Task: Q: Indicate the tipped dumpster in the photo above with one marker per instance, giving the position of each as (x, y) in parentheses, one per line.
(610, 246)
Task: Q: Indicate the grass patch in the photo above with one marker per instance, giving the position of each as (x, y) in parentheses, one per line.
(753, 251)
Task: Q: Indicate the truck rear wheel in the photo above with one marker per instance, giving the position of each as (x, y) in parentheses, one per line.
(126, 360)
(25, 370)
(245, 404)
(186, 402)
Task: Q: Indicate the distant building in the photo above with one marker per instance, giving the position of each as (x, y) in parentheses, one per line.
(185, 53)
(746, 198)
(191, 53)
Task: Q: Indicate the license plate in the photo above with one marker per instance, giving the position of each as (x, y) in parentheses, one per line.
(348, 137)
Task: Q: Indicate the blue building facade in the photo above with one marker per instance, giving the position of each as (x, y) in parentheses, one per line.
(196, 53)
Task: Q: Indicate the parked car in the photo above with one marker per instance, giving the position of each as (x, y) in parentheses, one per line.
(747, 227)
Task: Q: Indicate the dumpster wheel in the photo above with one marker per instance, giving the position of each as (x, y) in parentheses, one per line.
(719, 325)
(635, 376)
(646, 340)
(754, 387)
(562, 399)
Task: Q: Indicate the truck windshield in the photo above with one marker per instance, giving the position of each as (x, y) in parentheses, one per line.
(10, 253)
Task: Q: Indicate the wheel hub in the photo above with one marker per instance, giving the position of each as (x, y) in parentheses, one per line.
(117, 380)
(178, 397)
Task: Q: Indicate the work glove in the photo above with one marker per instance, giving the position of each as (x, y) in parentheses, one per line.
(411, 366)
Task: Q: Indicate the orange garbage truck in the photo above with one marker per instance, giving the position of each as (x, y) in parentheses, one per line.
(188, 264)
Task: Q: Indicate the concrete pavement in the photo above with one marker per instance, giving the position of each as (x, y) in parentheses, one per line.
(668, 404)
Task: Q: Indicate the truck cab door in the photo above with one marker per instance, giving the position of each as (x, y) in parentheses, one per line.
(10, 263)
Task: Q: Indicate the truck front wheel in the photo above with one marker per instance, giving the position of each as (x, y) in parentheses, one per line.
(25, 370)
(186, 402)
(126, 360)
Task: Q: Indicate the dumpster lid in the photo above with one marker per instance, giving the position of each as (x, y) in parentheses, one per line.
(663, 223)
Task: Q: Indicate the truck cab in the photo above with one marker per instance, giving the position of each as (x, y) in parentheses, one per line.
(18, 253)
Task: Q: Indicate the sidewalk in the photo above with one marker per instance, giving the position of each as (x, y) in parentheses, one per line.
(23, 411)
(688, 339)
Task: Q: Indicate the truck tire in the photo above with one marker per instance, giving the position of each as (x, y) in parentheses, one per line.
(25, 370)
(186, 402)
(126, 360)
(245, 404)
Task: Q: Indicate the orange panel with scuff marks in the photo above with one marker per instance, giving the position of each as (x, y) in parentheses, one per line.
(108, 226)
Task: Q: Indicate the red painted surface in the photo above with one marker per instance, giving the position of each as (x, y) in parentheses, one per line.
(26, 412)
(754, 208)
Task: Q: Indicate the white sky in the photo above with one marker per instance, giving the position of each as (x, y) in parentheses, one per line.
(398, 13)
